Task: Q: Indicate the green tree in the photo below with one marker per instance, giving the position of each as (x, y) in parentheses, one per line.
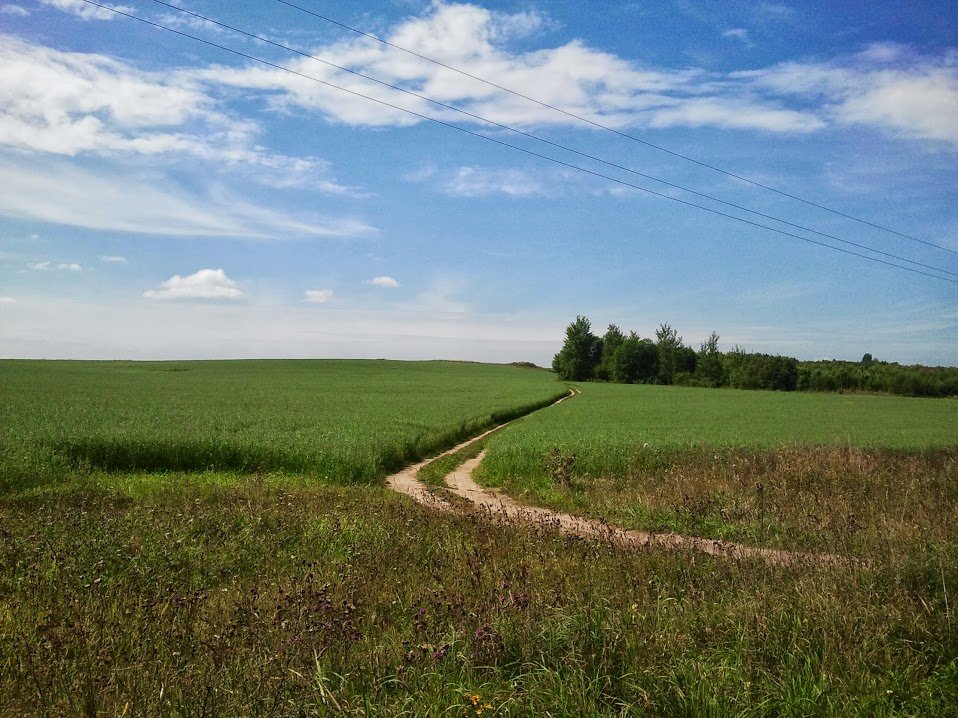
(635, 361)
(580, 353)
(668, 342)
(610, 343)
(709, 366)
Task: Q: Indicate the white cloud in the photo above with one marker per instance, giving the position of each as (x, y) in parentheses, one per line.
(72, 103)
(737, 33)
(51, 266)
(7, 300)
(63, 193)
(387, 282)
(318, 296)
(112, 259)
(85, 10)
(598, 85)
(482, 181)
(14, 10)
(886, 86)
(204, 284)
(774, 12)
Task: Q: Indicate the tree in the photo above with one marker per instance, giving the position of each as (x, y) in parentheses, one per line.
(610, 343)
(668, 342)
(635, 361)
(709, 365)
(580, 353)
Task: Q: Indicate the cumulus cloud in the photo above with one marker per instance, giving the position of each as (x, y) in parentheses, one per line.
(52, 266)
(386, 282)
(318, 296)
(112, 259)
(85, 10)
(204, 284)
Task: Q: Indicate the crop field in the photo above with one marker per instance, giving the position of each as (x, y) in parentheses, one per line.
(212, 539)
(335, 421)
(864, 475)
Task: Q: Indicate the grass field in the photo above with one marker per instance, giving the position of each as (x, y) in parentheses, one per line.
(276, 592)
(270, 599)
(336, 421)
(866, 475)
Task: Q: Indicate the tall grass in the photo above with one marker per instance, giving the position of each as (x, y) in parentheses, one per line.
(256, 597)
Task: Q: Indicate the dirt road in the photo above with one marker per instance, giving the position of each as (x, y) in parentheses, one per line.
(496, 504)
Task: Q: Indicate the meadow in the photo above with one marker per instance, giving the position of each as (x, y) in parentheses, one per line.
(334, 421)
(235, 588)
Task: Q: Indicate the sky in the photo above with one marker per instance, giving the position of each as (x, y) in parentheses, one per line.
(161, 198)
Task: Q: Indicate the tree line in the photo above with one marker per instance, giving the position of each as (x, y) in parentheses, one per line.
(631, 359)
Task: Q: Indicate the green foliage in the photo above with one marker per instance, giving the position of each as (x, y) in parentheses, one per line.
(760, 371)
(668, 342)
(611, 342)
(877, 376)
(335, 421)
(580, 354)
(636, 361)
(585, 357)
(709, 367)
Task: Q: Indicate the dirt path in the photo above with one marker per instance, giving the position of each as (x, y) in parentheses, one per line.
(461, 483)
(405, 481)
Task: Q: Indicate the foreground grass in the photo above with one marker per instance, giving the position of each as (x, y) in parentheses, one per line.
(228, 594)
(335, 421)
(848, 474)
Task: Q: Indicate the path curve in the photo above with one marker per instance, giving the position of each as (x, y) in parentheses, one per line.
(495, 503)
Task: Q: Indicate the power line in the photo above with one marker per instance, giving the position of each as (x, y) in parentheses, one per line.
(607, 128)
(551, 143)
(524, 150)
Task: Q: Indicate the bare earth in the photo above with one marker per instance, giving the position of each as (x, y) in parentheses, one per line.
(498, 505)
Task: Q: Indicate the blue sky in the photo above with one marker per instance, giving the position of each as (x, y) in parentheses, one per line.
(165, 199)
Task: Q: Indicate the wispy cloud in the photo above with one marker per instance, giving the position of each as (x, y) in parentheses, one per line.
(483, 181)
(112, 259)
(116, 200)
(204, 284)
(15, 10)
(385, 282)
(318, 296)
(7, 300)
(76, 104)
(56, 266)
(737, 33)
(85, 10)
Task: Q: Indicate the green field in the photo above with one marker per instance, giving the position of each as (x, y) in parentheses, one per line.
(209, 539)
(335, 421)
(848, 473)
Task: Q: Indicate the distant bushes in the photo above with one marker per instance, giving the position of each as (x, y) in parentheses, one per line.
(878, 376)
(630, 359)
